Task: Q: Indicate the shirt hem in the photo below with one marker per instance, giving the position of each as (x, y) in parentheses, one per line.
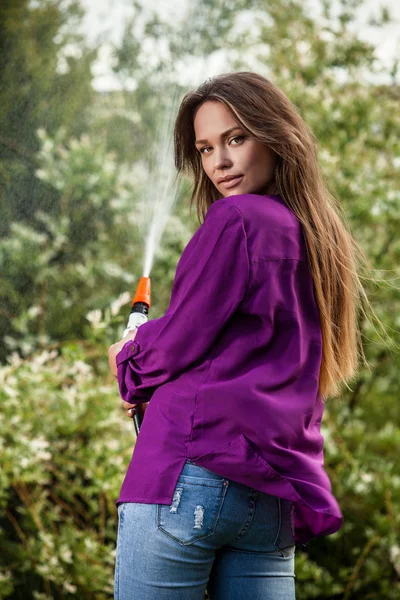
(143, 501)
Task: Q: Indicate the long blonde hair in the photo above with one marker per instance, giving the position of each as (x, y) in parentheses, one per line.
(335, 259)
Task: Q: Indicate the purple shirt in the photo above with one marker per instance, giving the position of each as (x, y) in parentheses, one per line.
(232, 367)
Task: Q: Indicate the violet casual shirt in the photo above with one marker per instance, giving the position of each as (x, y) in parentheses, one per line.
(232, 367)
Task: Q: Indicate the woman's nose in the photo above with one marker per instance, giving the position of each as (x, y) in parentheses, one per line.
(222, 160)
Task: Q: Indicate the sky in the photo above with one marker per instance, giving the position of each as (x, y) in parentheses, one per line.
(104, 20)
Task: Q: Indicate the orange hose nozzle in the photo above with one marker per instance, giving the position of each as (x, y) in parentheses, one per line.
(142, 291)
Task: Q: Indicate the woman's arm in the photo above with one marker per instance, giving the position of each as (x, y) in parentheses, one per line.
(210, 283)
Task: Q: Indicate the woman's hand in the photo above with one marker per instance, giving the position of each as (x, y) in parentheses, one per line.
(113, 350)
(129, 409)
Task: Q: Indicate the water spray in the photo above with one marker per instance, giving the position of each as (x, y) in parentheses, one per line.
(138, 316)
(156, 211)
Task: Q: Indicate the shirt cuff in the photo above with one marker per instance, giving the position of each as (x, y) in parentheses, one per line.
(128, 350)
(128, 379)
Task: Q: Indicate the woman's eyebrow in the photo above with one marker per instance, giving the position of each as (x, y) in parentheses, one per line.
(223, 135)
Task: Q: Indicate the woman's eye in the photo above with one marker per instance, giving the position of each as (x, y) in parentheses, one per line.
(238, 137)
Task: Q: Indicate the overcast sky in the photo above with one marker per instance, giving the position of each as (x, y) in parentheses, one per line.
(105, 20)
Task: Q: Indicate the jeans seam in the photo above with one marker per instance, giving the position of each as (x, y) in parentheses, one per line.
(292, 518)
(117, 565)
(279, 525)
(249, 520)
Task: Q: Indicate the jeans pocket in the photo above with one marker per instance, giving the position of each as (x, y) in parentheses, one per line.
(195, 509)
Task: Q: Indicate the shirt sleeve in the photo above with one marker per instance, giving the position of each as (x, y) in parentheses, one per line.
(210, 282)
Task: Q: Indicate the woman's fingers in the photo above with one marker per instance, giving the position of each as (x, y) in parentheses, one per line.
(129, 408)
(114, 349)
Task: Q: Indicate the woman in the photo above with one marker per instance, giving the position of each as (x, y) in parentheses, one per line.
(227, 474)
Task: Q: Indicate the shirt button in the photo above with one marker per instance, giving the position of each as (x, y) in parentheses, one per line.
(132, 348)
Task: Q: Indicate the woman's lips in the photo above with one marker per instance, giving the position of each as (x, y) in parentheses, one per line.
(232, 182)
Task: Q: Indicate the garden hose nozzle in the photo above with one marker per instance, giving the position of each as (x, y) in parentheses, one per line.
(138, 316)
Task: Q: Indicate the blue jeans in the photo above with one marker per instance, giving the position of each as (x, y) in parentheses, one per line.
(217, 534)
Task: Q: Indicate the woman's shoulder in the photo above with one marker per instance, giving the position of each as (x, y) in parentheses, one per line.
(271, 227)
(256, 205)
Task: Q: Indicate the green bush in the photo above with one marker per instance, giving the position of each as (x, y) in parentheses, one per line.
(65, 443)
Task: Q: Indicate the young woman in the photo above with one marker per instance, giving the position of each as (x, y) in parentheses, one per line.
(227, 474)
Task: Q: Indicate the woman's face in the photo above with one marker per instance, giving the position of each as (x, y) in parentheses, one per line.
(227, 152)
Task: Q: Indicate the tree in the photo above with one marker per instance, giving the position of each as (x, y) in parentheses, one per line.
(45, 77)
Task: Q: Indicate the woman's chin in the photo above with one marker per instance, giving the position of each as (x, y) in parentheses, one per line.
(238, 189)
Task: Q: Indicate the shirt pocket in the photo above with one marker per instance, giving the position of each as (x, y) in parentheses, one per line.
(194, 511)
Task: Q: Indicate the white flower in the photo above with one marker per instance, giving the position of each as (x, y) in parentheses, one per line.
(38, 447)
(66, 553)
(40, 359)
(9, 391)
(124, 298)
(15, 360)
(47, 146)
(94, 317)
(366, 477)
(394, 552)
(69, 587)
(35, 310)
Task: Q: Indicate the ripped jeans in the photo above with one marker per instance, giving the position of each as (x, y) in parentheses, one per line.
(217, 535)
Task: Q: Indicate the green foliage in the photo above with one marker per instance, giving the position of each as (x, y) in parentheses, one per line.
(64, 445)
(80, 254)
(41, 82)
